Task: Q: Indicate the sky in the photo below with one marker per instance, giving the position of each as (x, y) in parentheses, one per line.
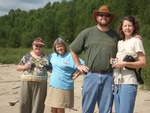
(7, 5)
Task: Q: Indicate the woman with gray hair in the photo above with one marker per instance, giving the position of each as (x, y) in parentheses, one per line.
(61, 86)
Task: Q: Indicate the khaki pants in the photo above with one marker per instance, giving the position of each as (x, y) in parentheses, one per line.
(32, 97)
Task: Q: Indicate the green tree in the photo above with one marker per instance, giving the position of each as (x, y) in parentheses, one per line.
(14, 38)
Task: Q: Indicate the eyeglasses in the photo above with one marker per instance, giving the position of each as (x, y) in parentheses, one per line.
(40, 46)
(104, 14)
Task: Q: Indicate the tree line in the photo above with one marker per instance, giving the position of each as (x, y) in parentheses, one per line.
(65, 19)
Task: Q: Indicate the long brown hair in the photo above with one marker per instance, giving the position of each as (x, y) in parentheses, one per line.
(135, 23)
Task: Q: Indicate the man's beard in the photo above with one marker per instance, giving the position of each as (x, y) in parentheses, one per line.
(103, 25)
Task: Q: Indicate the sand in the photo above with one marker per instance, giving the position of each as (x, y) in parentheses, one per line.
(10, 88)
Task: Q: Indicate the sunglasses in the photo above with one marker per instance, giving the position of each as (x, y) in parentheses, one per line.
(39, 46)
(104, 14)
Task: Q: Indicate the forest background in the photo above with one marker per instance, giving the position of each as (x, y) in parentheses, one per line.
(66, 19)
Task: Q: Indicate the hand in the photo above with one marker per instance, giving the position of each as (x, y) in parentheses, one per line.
(113, 61)
(76, 74)
(27, 65)
(119, 64)
(83, 68)
(138, 36)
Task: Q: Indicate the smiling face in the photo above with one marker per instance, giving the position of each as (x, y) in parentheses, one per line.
(103, 19)
(127, 28)
(37, 49)
(60, 49)
(37, 46)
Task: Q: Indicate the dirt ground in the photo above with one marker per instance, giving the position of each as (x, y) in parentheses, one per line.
(10, 87)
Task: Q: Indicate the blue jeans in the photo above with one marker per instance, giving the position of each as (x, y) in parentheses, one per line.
(97, 88)
(124, 98)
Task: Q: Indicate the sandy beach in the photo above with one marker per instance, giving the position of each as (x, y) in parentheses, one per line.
(10, 88)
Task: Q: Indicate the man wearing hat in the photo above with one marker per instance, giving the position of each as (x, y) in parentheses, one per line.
(99, 44)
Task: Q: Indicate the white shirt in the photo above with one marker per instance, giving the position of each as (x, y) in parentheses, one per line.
(128, 47)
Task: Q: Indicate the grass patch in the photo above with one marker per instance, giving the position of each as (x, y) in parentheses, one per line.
(14, 55)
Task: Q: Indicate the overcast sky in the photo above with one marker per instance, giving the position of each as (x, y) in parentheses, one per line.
(7, 5)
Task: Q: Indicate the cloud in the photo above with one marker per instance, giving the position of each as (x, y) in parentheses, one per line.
(7, 5)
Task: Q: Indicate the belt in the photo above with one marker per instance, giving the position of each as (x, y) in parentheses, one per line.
(101, 71)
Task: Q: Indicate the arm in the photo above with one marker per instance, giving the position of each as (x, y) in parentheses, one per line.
(76, 74)
(80, 67)
(23, 67)
(140, 63)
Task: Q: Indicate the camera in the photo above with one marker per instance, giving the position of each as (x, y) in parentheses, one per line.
(114, 61)
(32, 65)
(129, 58)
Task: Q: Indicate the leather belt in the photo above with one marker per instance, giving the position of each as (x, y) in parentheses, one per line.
(100, 71)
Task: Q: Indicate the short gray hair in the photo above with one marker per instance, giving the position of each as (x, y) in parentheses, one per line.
(59, 41)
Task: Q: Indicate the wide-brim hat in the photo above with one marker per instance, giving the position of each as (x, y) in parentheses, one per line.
(103, 9)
